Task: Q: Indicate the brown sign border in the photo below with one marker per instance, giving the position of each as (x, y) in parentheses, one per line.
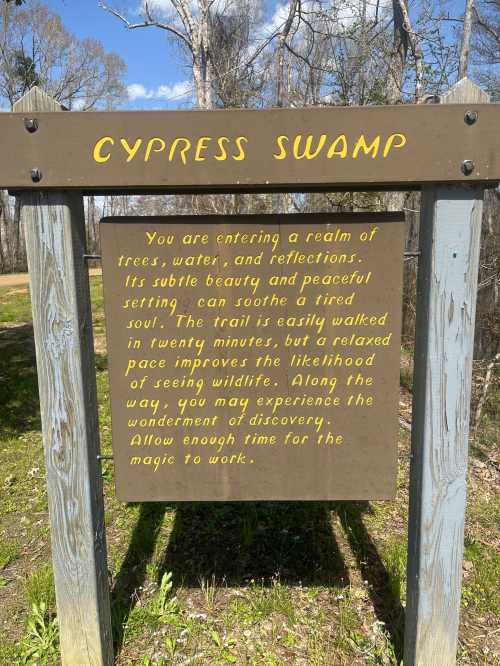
(443, 144)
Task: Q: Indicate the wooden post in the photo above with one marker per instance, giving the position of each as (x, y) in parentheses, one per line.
(450, 232)
(62, 322)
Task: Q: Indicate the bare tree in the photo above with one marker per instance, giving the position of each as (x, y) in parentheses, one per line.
(36, 49)
(282, 40)
(485, 49)
(398, 56)
(415, 48)
(192, 33)
(236, 83)
(466, 37)
(191, 25)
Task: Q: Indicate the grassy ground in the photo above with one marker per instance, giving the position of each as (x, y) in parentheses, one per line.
(208, 584)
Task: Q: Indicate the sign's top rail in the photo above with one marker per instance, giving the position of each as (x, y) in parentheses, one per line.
(251, 150)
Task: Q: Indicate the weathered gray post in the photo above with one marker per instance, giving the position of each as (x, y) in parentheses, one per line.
(62, 323)
(450, 231)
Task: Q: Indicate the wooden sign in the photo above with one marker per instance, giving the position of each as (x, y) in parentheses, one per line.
(233, 150)
(45, 151)
(254, 357)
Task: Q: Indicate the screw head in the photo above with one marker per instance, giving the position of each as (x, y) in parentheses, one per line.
(31, 124)
(36, 175)
(467, 167)
(432, 99)
(470, 117)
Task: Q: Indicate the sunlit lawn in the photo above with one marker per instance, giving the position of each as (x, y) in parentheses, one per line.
(253, 583)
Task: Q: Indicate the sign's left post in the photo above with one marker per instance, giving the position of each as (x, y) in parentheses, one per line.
(62, 321)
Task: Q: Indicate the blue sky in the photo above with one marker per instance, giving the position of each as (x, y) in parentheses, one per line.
(151, 59)
(157, 76)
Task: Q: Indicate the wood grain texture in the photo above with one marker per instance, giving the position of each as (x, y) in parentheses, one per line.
(84, 150)
(450, 229)
(465, 91)
(62, 322)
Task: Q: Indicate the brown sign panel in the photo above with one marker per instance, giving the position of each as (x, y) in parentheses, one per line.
(254, 357)
(249, 149)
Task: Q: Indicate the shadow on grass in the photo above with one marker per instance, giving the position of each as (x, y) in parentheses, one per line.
(132, 572)
(233, 542)
(19, 405)
(238, 542)
(19, 398)
(386, 604)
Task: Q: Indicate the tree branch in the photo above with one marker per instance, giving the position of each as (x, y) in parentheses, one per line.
(148, 23)
(416, 50)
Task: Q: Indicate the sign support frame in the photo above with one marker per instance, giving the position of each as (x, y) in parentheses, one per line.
(450, 240)
(62, 323)
(54, 225)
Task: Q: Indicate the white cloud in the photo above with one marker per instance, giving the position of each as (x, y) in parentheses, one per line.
(78, 104)
(180, 89)
(175, 91)
(137, 91)
(277, 20)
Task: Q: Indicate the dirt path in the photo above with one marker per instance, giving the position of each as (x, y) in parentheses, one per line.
(21, 279)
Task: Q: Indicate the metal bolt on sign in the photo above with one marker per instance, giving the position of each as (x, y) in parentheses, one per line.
(31, 124)
(470, 117)
(467, 167)
(36, 175)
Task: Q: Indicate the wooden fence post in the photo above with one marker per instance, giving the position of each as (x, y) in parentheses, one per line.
(62, 323)
(450, 233)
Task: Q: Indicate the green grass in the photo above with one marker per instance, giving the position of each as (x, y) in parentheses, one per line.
(18, 388)
(9, 653)
(9, 552)
(40, 645)
(480, 588)
(264, 601)
(394, 558)
(262, 583)
(39, 588)
(15, 305)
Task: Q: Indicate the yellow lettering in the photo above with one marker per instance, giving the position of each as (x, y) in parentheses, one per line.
(241, 154)
(201, 146)
(390, 143)
(335, 151)
(367, 149)
(307, 153)
(151, 143)
(223, 152)
(282, 154)
(98, 156)
(182, 151)
(131, 150)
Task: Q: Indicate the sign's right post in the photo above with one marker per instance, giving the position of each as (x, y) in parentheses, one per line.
(450, 234)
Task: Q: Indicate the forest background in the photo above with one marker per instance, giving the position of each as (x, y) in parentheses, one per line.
(246, 53)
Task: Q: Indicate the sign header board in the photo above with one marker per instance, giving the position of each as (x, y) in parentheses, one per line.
(254, 358)
(230, 150)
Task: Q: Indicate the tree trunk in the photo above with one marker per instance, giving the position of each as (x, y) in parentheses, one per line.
(280, 75)
(466, 35)
(202, 64)
(398, 57)
(412, 216)
(8, 233)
